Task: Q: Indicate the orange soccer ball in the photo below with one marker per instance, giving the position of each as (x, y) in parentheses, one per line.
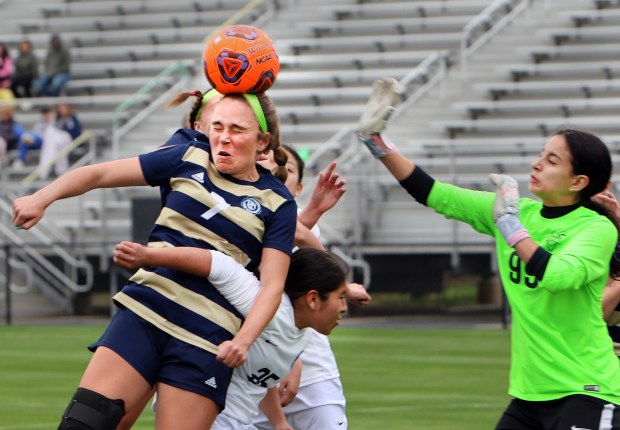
(240, 59)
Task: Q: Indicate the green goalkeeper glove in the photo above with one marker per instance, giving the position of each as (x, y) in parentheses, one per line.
(506, 209)
(385, 95)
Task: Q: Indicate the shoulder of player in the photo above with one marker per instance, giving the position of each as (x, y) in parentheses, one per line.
(270, 182)
(182, 138)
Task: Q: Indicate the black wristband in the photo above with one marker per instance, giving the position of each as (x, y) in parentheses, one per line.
(418, 184)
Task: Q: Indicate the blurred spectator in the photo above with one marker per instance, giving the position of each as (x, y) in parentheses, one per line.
(33, 139)
(6, 70)
(26, 70)
(10, 130)
(56, 69)
(66, 128)
(46, 136)
(67, 120)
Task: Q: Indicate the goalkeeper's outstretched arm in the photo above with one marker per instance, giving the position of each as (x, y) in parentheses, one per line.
(386, 94)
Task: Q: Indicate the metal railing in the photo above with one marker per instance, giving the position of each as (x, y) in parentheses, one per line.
(430, 72)
(487, 24)
(120, 128)
(30, 258)
(34, 267)
(355, 263)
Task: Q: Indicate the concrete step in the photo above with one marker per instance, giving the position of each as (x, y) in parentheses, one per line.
(29, 305)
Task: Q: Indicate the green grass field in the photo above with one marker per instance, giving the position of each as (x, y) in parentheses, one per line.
(396, 379)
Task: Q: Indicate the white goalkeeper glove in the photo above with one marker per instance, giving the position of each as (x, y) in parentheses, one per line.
(385, 95)
(506, 209)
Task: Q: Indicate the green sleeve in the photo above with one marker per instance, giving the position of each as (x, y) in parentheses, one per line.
(469, 206)
(585, 259)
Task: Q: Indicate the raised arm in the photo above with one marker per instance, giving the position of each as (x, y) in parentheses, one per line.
(327, 192)
(305, 238)
(28, 210)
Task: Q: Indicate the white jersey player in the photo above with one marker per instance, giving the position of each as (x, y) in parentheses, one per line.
(315, 297)
(317, 401)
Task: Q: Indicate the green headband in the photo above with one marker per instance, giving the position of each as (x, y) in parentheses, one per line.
(205, 99)
(258, 111)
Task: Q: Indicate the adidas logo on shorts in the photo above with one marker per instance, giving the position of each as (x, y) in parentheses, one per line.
(211, 382)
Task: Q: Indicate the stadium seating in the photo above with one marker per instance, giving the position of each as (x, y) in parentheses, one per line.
(580, 52)
(324, 81)
(129, 7)
(330, 54)
(602, 68)
(567, 107)
(589, 16)
(388, 25)
(398, 9)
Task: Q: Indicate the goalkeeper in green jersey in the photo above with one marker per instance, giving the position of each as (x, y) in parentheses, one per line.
(554, 258)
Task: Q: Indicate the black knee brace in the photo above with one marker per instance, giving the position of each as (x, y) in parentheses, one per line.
(92, 411)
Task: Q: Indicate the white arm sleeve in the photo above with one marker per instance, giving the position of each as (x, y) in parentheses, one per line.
(238, 285)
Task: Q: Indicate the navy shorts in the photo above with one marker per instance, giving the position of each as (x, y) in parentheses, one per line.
(159, 357)
(572, 412)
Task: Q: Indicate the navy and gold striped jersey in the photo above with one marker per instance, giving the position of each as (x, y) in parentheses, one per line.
(206, 209)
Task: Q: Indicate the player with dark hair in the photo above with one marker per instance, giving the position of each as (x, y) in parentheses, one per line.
(315, 297)
(312, 394)
(554, 258)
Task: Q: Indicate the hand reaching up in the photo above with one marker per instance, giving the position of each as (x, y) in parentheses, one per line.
(327, 192)
(385, 96)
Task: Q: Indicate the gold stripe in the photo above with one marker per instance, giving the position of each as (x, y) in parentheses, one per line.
(197, 156)
(200, 157)
(244, 219)
(267, 198)
(160, 244)
(163, 324)
(188, 299)
(176, 221)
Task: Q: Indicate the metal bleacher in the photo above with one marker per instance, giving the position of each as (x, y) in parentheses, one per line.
(117, 49)
(330, 55)
(573, 84)
(460, 129)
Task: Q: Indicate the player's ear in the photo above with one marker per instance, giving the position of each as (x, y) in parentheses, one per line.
(263, 141)
(300, 186)
(312, 299)
(580, 182)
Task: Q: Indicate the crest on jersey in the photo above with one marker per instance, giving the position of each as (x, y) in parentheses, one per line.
(251, 205)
